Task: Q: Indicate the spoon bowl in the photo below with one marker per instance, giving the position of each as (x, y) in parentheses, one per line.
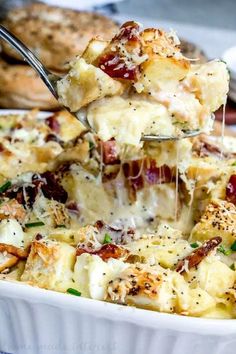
(51, 80)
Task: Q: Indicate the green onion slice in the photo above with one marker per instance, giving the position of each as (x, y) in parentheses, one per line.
(194, 245)
(73, 292)
(107, 239)
(5, 186)
(224, 251)
(34, 224)
(91, 145)
(233, 246)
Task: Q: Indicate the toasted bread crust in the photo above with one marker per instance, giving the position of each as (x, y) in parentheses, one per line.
(21, 87)
(56, 35)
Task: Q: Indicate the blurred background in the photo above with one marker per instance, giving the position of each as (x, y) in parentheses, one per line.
(207, 27)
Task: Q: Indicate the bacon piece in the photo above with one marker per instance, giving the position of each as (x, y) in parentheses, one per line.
(53, 123)
(115, 66)
(109, 152)
(115, 62)
(141, 173)
(2, 148)
(134, 177)
(12, 209)
(52, 188)
(25, 195)
(198, 255)
(106, 252)
(129, 31)
(156, 175)
(16, 251)
(230, 192)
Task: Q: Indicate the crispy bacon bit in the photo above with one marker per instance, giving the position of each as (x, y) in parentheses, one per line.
(129, 31)
(53, 123)
(12, 209)
(16, 251)
(52, 188)
(156, 175)
(141, 173)
(25, 195)
(115, 66)
(198, 255)
(109, 152)
(106, 252)
(231, 190)
(114, 62)
(47, 182)
(2, 148)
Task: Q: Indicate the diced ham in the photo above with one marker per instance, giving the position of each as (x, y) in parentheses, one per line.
(53, 123)
(118, 60)
(144, 172)
(52, 189)
(110, 155)
(106, 252)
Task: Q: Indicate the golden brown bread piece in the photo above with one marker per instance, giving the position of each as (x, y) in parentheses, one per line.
(16, 251)
(54, 34)
(20, 87)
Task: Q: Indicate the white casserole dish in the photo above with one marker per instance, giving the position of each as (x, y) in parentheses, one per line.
(38, 321)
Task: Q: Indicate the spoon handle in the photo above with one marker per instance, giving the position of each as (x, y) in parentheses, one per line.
(48, 78)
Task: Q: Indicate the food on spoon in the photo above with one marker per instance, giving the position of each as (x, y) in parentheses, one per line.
(140, 83)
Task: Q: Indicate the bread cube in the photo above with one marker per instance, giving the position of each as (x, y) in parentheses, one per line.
(210, 83)
(84, 84)
(215, 277)
(92, 275)
(94, 49)
(50, 265)
(219, 219)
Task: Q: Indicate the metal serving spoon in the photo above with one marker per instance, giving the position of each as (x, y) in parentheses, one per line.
(51, 79)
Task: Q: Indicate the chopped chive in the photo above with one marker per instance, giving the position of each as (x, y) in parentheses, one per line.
(194, 245)
(232, 266)
(233, 246)
(107, 239)
(224, 251)
(34, 224)
(61, 225)
(91, 145)
(5, 186)
(234, 163)
(73, 292)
